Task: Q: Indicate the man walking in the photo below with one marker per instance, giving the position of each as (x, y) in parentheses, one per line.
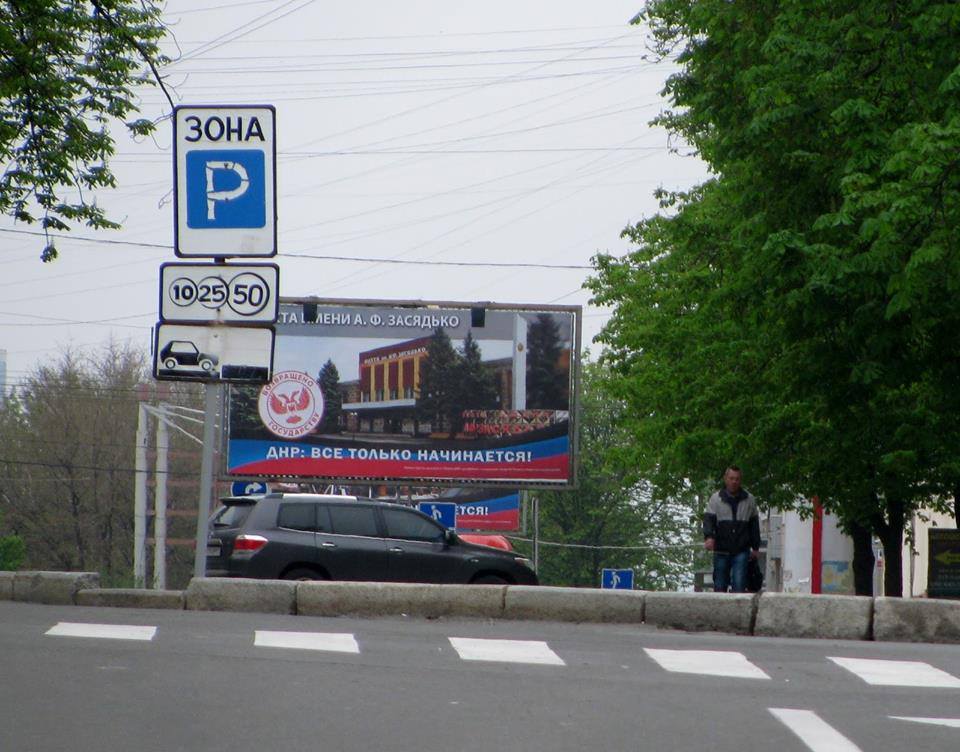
(731, 529)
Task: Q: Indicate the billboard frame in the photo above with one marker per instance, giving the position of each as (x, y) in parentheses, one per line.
(573, 402)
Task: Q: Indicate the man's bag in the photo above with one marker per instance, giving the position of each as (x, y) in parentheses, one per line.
(754, 576)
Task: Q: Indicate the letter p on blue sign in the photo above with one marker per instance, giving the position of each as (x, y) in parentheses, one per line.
(225, 189)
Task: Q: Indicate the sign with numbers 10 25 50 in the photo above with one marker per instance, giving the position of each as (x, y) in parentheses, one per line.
(227, 293)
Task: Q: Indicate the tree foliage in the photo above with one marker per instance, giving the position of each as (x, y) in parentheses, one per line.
(67, 456)
(612, 519)
(437, 401)
(546, 383)
(797, 312)
(68, 69)
(329, 380)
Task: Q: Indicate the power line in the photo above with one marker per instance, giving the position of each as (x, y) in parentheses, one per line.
(317, 257)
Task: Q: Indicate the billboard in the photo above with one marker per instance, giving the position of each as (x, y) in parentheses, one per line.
(428, 393)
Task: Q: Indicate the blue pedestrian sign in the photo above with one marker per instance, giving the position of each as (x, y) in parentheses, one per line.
(225, 181)
(444, 512)
(616, 579)
(247, 488)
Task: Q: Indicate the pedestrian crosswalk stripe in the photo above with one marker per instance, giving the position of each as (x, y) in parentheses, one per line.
(950, 722)
(813, 731)
(336, 642)
(886, 673)
(726, 663)
(102, 631)
(505, 651)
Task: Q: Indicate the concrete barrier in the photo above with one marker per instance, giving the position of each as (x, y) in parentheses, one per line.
(395, 599)
(698, 612)
(229, 594)
(6, 586)
(836, 617)
(574, 604)
(131, 598)
(916, 620)
(52, 588)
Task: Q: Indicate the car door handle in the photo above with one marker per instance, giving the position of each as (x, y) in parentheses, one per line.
(395, 550)
(328, 544)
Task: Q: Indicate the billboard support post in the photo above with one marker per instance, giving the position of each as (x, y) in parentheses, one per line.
(536, 532)
(211, 402)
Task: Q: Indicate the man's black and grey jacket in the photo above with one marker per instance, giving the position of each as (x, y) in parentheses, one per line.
(733, 521)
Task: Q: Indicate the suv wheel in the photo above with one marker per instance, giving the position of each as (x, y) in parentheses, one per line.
(304, 575)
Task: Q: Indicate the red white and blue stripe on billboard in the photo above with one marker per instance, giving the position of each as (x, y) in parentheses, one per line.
(543, 460)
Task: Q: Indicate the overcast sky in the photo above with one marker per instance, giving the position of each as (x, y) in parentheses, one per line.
(457, 135)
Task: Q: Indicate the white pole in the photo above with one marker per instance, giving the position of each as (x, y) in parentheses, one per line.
(211, 402)
(140, 499)
(519, 397)
(160, 507)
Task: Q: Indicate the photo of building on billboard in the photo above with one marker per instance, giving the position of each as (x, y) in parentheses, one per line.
(428, 393)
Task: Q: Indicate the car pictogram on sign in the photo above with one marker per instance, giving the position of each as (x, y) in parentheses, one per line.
(184, 355)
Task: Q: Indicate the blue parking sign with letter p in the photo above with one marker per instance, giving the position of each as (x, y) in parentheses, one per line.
(225, 189)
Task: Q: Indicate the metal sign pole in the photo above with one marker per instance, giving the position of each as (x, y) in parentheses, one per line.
(211, 403)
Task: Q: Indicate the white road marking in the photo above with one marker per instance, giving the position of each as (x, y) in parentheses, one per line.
(707, 662)
(102, 631)
(950, 722)
(812, 730)
(898, 673)
(506, 651)
(336, 642)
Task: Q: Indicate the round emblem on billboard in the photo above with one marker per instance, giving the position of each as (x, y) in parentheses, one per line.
(291, 405)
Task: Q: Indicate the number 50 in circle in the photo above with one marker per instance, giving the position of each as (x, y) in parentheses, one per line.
(249, 294)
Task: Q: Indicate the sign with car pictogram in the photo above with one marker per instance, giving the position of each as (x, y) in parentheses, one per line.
(225, 181)
(224, 293)
(183, 352)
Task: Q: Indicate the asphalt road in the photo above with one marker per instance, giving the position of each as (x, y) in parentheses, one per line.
(162, 680)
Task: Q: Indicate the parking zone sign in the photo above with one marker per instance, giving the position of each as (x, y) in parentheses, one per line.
(225, 181)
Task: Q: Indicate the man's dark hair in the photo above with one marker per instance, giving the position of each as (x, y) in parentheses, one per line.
(734, 468)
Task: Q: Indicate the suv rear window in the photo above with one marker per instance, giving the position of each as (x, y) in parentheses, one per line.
(350, 520)
(232, 515)
(310, 516)
(410, 526)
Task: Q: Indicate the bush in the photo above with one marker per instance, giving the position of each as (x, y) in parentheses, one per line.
(12, 552)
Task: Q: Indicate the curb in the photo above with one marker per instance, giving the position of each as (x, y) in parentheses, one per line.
(833, 617)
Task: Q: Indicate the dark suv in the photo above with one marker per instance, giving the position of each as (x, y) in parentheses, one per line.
(315, 537)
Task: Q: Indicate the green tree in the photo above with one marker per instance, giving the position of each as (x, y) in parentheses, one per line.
(476, 384)
(796, 313)
(546, 383)
(438, 399)
(613, 518)
(329, 380)
(67, 71)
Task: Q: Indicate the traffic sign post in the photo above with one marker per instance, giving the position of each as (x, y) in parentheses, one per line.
(444, 512)
(234, 293)
(616, 579)
(225, 181)
(224, 205)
